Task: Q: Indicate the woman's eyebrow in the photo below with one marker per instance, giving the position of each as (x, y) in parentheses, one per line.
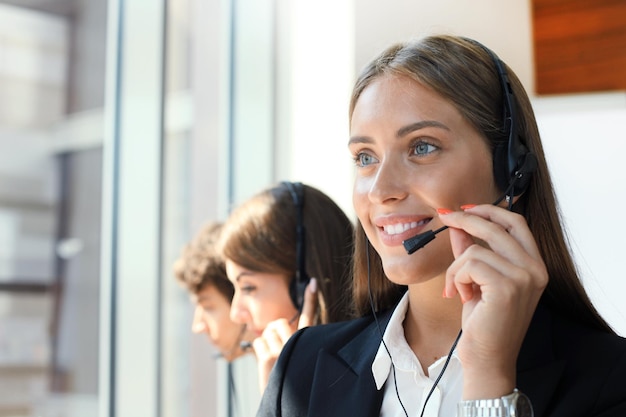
(243, 274)
(403, 131)
(359, 139)
(420, 125)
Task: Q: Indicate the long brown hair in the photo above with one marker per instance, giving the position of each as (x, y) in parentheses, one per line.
(260, 235)
(462, 71)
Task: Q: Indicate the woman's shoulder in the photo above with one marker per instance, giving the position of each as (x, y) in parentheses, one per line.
(338, 332)
(570, 368)
(317, 353)
(573, 337)
(335, 336)
(568, 335)
(554, 338)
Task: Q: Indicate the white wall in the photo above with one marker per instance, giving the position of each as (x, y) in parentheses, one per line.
(585, 140)
(504, 26)
(322, 52)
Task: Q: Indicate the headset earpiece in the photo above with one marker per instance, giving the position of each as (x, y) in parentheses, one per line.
(298, 283)
(527, 166)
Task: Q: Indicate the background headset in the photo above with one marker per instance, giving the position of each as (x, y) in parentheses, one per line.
(513, 162)
(298, 284)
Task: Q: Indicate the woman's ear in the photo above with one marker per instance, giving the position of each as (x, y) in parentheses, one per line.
(505, 202)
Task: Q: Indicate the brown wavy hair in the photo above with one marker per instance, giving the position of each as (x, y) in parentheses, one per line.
(462, 71)
(200, 264)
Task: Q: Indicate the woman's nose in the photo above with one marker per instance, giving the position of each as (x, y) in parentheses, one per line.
(389, 183)
(238, 312)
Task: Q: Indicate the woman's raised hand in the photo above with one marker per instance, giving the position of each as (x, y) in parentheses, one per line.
(499, 274)
(268, 346)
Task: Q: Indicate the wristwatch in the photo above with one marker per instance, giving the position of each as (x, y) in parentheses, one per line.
(516, 404)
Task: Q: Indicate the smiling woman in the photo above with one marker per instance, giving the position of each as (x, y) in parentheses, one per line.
(438, 161)
(491, 317)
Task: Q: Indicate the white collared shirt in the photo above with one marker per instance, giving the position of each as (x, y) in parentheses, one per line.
(413, 386)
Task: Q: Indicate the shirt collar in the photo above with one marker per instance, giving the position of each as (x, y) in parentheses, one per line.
(394, 332)
(394, 340)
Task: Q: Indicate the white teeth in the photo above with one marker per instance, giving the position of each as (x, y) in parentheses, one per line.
(396, 229)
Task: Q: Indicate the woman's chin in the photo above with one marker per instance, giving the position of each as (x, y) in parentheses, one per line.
(400, 274)
(407, 273)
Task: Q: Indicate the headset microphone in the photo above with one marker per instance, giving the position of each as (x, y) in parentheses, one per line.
(416, 242)
(243, 345)
(529, 165)
(419, 241)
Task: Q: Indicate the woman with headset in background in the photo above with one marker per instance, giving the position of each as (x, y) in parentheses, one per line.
(272, 244)
(200, 269)
(471, 302)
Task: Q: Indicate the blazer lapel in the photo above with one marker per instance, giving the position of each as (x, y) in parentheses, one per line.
(344, 384)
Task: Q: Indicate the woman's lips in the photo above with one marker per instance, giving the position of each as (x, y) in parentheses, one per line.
(393, 233)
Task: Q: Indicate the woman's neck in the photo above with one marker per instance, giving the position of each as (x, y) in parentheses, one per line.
(432, 322)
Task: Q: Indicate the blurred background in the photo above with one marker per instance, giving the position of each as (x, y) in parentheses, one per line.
(126, 125)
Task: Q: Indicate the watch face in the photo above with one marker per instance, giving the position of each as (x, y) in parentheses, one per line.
(522, 406)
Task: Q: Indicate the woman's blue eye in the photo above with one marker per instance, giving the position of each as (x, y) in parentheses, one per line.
(364, 159)
(423, 148)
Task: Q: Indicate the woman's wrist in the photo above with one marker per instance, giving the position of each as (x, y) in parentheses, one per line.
(485, 385)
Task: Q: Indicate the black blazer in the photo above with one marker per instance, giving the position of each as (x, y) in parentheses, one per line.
(566, 369)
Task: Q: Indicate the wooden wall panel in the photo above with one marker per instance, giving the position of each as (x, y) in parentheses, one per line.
(579, 45)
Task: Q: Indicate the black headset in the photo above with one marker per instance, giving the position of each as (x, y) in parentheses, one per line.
(513, 163)
(299, 282)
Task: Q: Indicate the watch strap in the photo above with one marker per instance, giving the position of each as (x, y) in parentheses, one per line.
(494, 407)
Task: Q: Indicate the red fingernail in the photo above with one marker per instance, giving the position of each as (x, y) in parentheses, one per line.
(444, 211)
(467, 206)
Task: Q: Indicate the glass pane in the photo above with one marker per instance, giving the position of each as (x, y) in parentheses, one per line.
(191, 375)
(196, 381)
(52, 87)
